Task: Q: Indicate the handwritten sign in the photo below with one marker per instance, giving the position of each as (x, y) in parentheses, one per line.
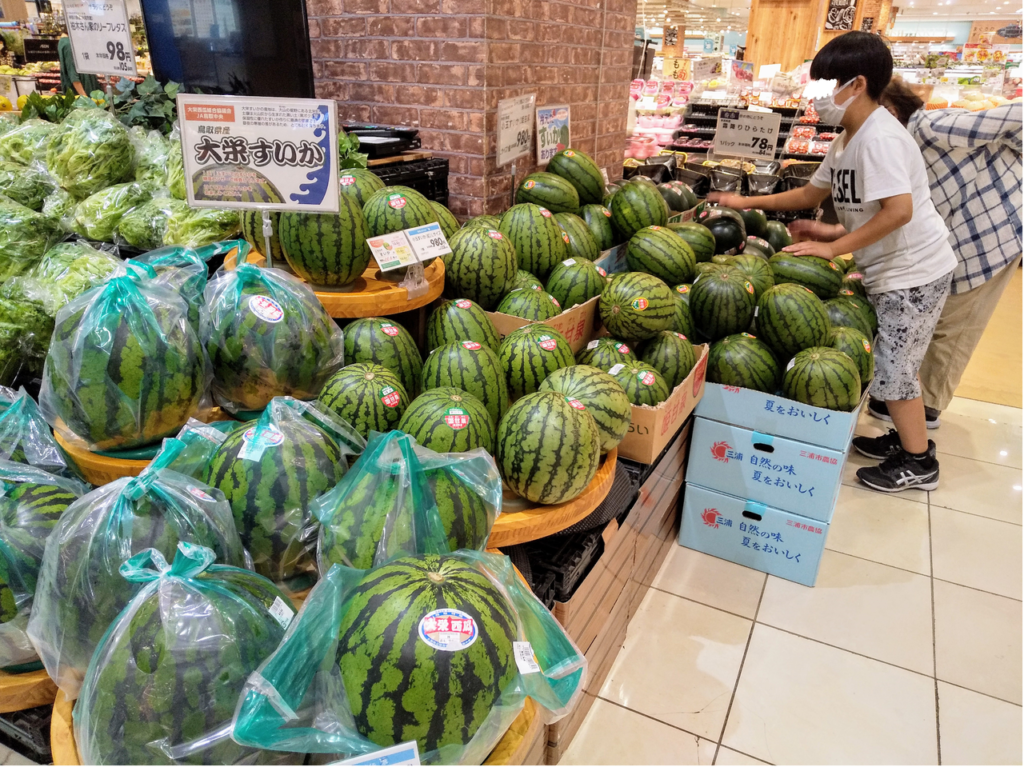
(515, 127)
(552, 131)
(747, 134)
(840, 15)
(100, 38)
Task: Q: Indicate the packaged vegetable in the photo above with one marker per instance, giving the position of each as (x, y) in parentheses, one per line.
(67, 270)
(176, 166)
(28, 185)
(98, 215)
(151, 151)
(145, 227)
(26, 438)
(183, 271)
(195, 227)
(25, 236)
(60, 206)
(25, 330)
(27, 143)
(90, 151)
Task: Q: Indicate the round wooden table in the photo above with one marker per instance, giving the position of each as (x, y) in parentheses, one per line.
(21, 691)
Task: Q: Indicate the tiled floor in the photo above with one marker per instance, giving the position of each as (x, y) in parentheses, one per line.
(907, 651)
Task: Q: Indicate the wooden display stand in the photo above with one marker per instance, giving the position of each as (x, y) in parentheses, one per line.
(21, 691)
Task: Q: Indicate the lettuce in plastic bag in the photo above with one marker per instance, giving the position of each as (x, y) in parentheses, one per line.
(145, 226)
(60, 206)
(27, 185)
(65, 272)
(90, 151)
(151, 151)
(97, 215)
(25, 236)
(195, 227)
(176, 172)
(25, 330)
(27, 143)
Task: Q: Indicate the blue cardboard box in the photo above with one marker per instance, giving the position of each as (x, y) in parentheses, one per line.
(613, 260)
(752, 534)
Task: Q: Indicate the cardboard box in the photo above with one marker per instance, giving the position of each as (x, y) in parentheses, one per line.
(752, 534)
(577, 324)
(789, 475)
(652, 428)
(613, 260)
(776, 415)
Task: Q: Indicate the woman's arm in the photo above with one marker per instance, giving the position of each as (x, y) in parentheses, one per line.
(896, 212)
(957, 129)
(808, 196)
(816, 230)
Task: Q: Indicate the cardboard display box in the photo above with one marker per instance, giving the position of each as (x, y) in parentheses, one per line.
(577, 324)
(613, 260)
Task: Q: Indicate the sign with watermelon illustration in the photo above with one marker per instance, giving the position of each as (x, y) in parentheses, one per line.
(552, 131)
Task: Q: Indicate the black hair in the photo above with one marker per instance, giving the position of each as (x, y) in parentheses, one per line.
(855, 53)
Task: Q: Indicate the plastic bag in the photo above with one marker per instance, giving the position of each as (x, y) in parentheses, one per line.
(164, 683)
(176, 166)
(25, 330)
(89, 151)
(31, 502)
(387, 636)
(151, 151)
(145, 226)
(200, 441)
(60, 206)
(27, 143)
(195, 227)
(28, 186)
(125, 367)
(80, 592)
(98, 215)
(65, 272)
(268, 335)
(26, 438)
(24, 237)
(183, 271)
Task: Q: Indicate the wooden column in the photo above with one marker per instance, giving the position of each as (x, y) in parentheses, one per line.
(783, 31)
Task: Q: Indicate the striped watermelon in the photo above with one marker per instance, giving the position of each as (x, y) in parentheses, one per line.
(466, 519)
(575, 281)
(778, 235)
(396, 208)
(727, 227)
(844, 312)
(757, 272)
(599, 220)
(461, 320)
(252, 231)
(449, 224)
(743, 360)
(399, 687)
(642, 383)
(448, 420)
(698, 237)
(481, 267)
(548, 449)
(526, 281)
(601, 396)
(866, 308)
(609, 192)
(754, 221)
(853, 282)
(684, 292)
(359, 184)
(385, 342)
(846, 264)
(536, 236)
(638, 204)
(757, 247)
(581, 242)
(580, 170)
(659, 251)
(549, 191)
(604, 352)
(369, 397)
(530, 354)
(327, 248)
(817, 274)
(671, 354)
(722, 303)
(474, 368)
(487, 222)
(636, 306)
(857, 347)
(533, 305)
(790, 318)
(682, 320)
(704, 267)
(823, 377)
(678, 196)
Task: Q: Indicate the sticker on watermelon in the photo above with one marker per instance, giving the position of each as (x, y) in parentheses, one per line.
(545, 212)
(266, 308)
(462, 303)
(348, 180)
(448, 630)
(390, 329)
(646, 377)
(834, 267)
(855, 276)
(601, 271)
(614, 369)
(396, 201)
(680, 335)
(565, 237)
(575, 403)
(867, 346)
(846, 292)
(639, 304)
(654, 228)
(607, 213)
(390, 397)
(195, 492)
(622, 349)
(529, 184)
(747, 335)
(255, 440)
(682, 288)
(471, 345)
(749, 287)
(494, 235)
(555, 301)
(547, 343)
(456, 418)
(568, 153)
(568, 261)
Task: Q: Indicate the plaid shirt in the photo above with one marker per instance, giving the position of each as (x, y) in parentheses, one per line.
(974, 166)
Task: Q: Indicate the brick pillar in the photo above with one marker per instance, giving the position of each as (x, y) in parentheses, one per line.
(443, 65)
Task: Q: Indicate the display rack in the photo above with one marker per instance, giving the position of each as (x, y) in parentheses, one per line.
(22, 691)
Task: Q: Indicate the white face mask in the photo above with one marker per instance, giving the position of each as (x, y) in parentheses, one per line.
(828, 110)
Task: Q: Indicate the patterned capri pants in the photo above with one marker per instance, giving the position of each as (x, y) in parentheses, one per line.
(906, 322)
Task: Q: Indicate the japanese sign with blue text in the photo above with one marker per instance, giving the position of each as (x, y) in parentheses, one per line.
(260, 153)
(552, 131)
(100, 38)
(515, 128)
(741, 133)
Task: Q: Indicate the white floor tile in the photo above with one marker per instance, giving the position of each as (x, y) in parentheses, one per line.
(884, 528)
(979, 439)
(977, 729)
(7, 756)
(979, 488)
(977, 552)
(986, 411)
(711, 581)
(729, 757)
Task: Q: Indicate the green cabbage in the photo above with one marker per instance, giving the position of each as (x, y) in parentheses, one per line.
(27, 185)
(60, 206)
(195, 227)
(65, 272)
(27, 143)
(90, 151)
(97, 215)
(145, 227)
(151, 151)
(24, 237)
(176, 172)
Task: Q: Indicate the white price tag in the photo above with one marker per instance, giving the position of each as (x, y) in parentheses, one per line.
(428, 241)
(523, 652)
(741, 133)
(399, 249)
(281, 612)
(403, 753)
(614, 369)
(515, 128)
(100, 38)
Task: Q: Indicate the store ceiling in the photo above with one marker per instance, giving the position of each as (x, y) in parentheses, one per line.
(957, 10)
(694, 15)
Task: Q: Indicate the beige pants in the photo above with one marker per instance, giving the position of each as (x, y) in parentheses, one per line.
(957, 334)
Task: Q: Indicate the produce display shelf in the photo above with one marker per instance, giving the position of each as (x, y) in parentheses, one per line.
(22, 691)
(522, 526)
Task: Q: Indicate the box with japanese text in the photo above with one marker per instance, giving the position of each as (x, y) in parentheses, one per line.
(774, 414)
(613, 260)
(789, 475)
(752, 534)
(576, 324)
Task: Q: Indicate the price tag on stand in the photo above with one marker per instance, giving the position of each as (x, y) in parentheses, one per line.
(402, 249)
(741, 133)
(101, 40)
(515, 128)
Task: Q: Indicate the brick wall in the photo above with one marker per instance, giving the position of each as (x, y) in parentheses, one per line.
(443, 65)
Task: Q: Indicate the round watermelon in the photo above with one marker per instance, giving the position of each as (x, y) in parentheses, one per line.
(448, 420)
(604, 352)
(581, 242)
(727, 227)
(778, 235)
(698, 237)
(642, 383)
(857, 347)
(599, 220)
(678, 196)
(252, 231)
(369, 397)
(754, 221)
(525, 280)
(481, 267)
(575, 281)
(359, 184)
(385, 342)
(867, 309)
(549, 191)
(533, 305)
(791, 318)
(722, 303)
(756, 270)
(449, 224)
(845, 313)
(461, 320)
(327, 248)
(659, 251)
(580, 170)
(530, 354)
(671, 354)
(600, 395)
(638, 204)
(757, 247)
(817, 274)
(471, 367)
(487, 222)
(682, 320)
(536, 237)
(466, 518)
(823, 377)
(637, 306)
(395, 209)
(743, 360)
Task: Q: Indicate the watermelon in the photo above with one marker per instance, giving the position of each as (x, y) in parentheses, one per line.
(676, 199)
(817, 274)
(604, 352)
(385, 342)
(659, 251)
(671, 354)
(359, 184)
(601, 396)
(575, 281)
(757, 271)
(548, 191)
(846, 264)
(327, 248)
(865, 306)
(638, 204)
(472, 367)
(823, 377)
(580, 170)
(843, 312)
(460, 320)
(599, 221)
(369, 397)
(524, 279)
(682, 320)
(530, 354)
(536, 237)
(791, 318)
(398, 686)
(449, 224)
(857, 347)
(448, 420)
(698, 237)
(722, 303)
(683, 291)
(395, 209)
(743, 360)
(642, 383)
(757, 247)
(481, 267)
(754, 221)
(581, 242)
(487, 222)
(721, 260)
(547, 449)
(533, 305)
(252, 231)
(704, 267)
(465, 516)
(854, 282)
(727, 227)
(778, 235)
(637, 306)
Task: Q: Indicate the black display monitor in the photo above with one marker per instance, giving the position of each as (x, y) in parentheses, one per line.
(238, 47)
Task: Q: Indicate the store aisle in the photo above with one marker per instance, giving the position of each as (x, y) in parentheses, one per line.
(908, 650)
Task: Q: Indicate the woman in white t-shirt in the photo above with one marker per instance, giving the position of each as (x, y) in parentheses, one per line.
(877, 180)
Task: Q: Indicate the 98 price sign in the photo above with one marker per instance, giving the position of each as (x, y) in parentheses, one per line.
(747, 134)
(100, 37)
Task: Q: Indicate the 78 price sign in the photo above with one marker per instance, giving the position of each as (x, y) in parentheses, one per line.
(747, 134)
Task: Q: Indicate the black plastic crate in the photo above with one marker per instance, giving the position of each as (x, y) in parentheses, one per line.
(428, 177)
(568, 557)
(28, 733)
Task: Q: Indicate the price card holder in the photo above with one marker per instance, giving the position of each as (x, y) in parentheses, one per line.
(742, 133)
(409, 249)
(101, 40)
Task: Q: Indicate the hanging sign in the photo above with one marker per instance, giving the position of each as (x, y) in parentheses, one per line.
(260, 153)
(40, 49)
(747, 134)
(840, 15)
(552, 131)
(100, 38)
(515, 127)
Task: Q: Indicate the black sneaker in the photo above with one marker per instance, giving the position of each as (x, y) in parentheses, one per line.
(878, 409)
(902, 471)
(878, 448)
